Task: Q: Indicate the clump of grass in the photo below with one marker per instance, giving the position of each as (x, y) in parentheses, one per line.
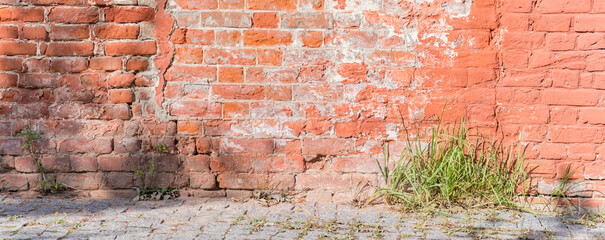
(450, 167)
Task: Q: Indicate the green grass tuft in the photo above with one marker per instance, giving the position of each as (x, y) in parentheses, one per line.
(450, 167)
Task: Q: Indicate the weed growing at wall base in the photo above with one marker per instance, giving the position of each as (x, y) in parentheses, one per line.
(46, 185)
(452, 167)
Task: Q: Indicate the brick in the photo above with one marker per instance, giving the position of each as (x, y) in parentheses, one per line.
(235, 145)
(116, 163)
(229, 38)
(226, 19)
(576, 134)
(137, 64)
(74, 15)
(69, 32)
(337, 146)
(118, 111)
(15, 14)
(197, 4)
(68, 65)
(312, 39)
(40, 81)
(236, 110)
(105, 63)
(17, 48)
(117, 31)
(11, 63)
(591, 41)
(200, 37)
(307, 20)
(14, 182)
(121, 96)
(196, 109)
(560, 41)
(82, 145)
(69, 49)
(580, 97)
(523, 114)
(280, 5)
(202, 180)
(231, 74)
(238, 91)
(191, 55)
(270, 57)
(130, 48)
(592, 115)
(8, 80)
(215, 56)
(594, 62)
(57, 2)
(266, 38)
(55, 164)
(553, 23)
(265, 20)
(9, 32)
(564, 6)
(35, 32)
(231, 4)
(188, 73)
(589, 23)
(83, 163)
(129, 14)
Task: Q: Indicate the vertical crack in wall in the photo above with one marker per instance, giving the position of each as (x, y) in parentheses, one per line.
(164, 28)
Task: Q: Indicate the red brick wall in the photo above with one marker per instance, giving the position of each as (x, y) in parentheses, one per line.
(249, 93)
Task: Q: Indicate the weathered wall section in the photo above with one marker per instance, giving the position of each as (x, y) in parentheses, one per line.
(247, 94)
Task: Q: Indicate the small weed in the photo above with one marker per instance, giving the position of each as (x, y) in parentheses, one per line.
(237, 220)
(14, 217)
(46, 185)
(57, 220)
(257, 224)
(146, 193)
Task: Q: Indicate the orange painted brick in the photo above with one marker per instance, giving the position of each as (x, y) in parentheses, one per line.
(196, 109)
(229, 38)
(117, 31)
(231, 4)
(561, 41)
(265, 20)
(307, 20)
(226, 19)
(564, 6)
(238, 91)
(129, 14)
(553, 23)
(313, 39)
(197, 4)
(200, 37)
(581, 97)
(592, 115)
(270, 57)
(236, 110)
(130, 48)
(189, 55)
(215, 56)
(271, 4)
(231, 74)
(266, 37)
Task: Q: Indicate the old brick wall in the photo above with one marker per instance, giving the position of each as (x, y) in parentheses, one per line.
(247, 94)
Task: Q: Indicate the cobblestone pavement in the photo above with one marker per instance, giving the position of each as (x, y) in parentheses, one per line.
(223, 219)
